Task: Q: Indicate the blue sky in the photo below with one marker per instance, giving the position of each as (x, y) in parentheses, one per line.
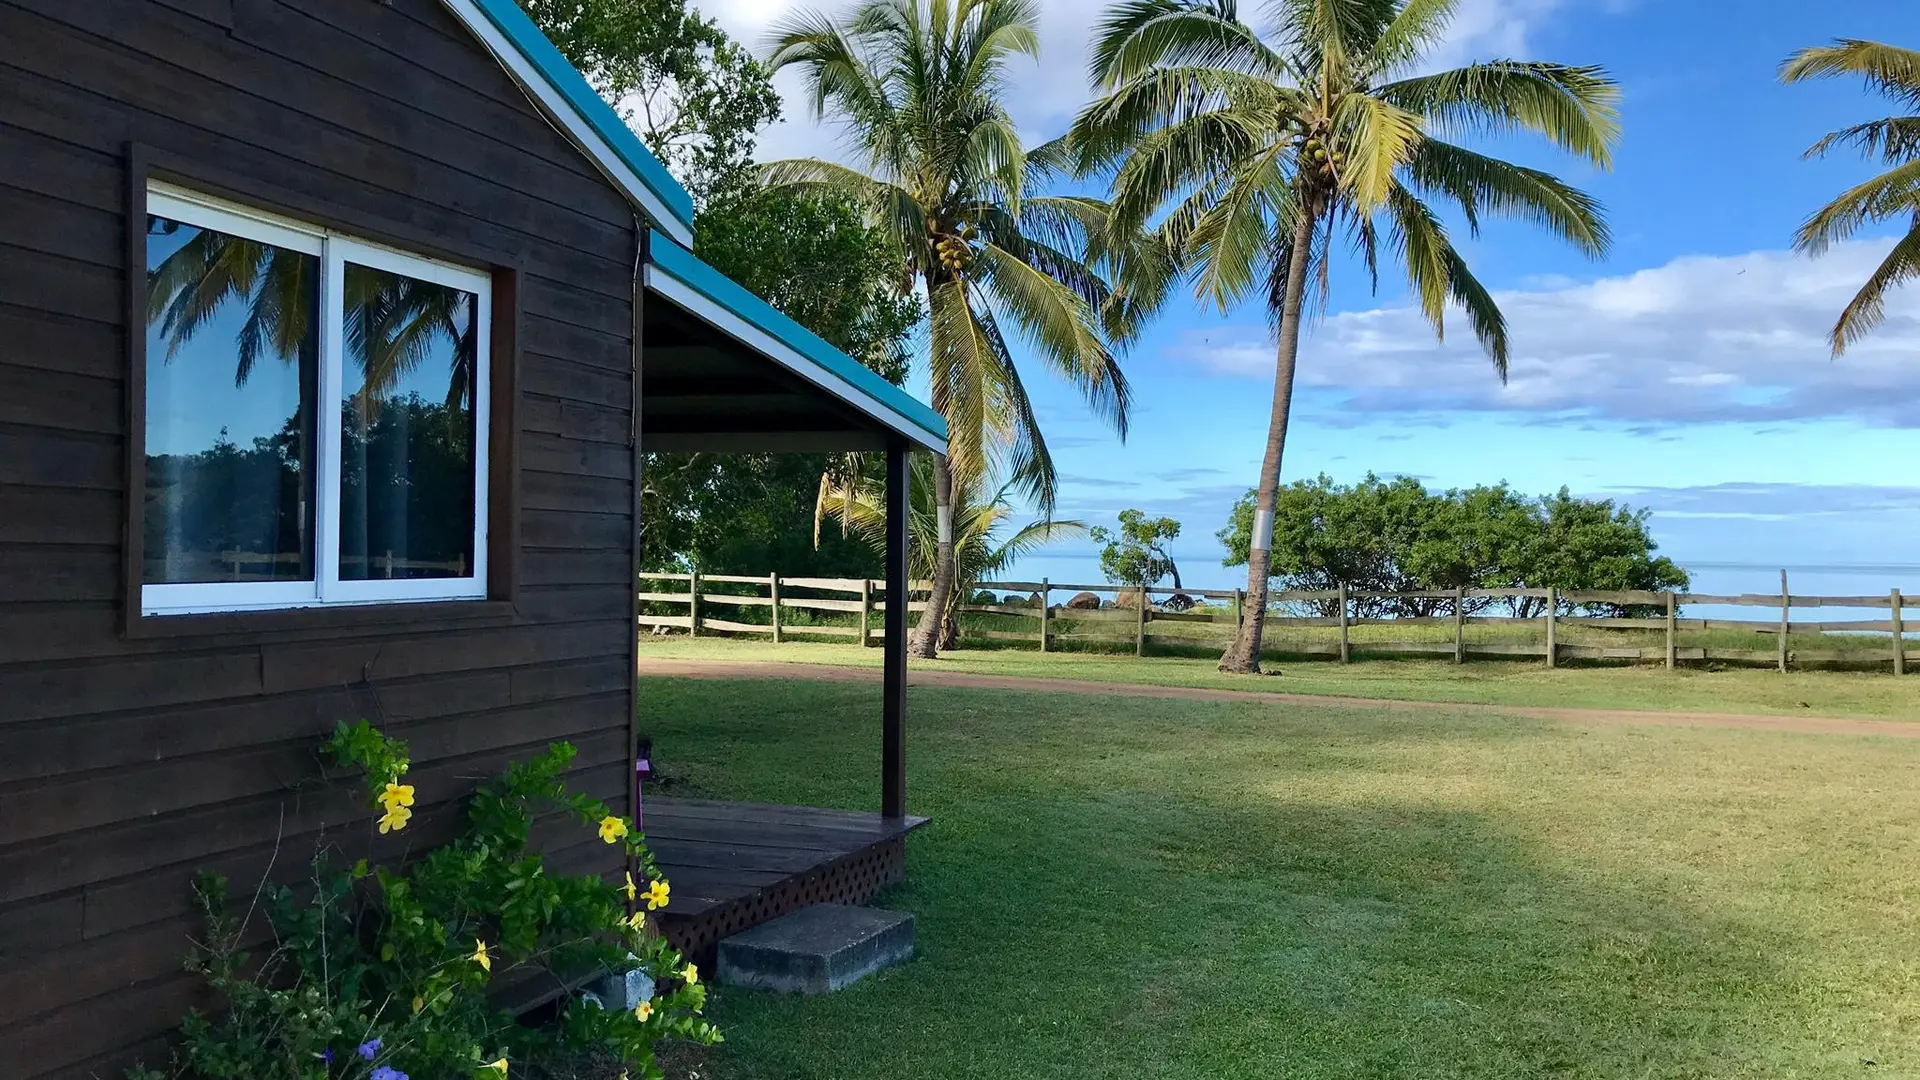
(1686, 373)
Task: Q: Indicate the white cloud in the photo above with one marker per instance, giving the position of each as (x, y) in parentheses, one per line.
(1045, 96)
(1701, 338)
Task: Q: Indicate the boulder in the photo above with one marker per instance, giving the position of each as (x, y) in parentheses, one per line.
(1085, 601)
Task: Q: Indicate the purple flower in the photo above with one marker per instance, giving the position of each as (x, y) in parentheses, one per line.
(326, 1055)
(368, 1049)
(386, 1072)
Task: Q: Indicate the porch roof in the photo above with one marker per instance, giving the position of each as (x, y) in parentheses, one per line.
(722, 370)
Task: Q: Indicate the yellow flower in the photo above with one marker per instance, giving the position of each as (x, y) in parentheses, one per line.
(691, 974)
(397, 795)
(612, 829)
(499, 1066)
(638, 920)
(643, 1012)
(630, 887)
(394, 819)
(657, 894)
(418, 1004)
(480, 955)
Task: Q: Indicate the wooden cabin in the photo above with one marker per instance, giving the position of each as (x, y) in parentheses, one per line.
(331, 336)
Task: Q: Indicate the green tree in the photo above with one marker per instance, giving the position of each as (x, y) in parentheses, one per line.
(978, 519)
(1894, 195)
(1594, 545)
(919, 87)
(1137, 553)
(1254, 152)
(693, 94)
(817, 259)
(740, 514)
(1394, 536)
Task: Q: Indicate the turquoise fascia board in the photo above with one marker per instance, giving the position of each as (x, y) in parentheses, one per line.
(681, 264)
(572, 87)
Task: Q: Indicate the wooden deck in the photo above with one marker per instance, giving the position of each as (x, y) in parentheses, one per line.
(736, 865)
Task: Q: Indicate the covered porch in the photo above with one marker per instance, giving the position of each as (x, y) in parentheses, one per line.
(723, 372)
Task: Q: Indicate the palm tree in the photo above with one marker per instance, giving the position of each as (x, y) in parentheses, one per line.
(978, 551)
(1894, 195)
(1252, 151)
(918, 87)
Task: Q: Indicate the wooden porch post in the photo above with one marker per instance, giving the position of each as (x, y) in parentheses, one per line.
(893, 736)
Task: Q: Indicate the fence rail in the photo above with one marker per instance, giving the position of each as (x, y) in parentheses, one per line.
(1121, 615)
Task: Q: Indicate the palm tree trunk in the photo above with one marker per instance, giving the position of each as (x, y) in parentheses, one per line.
(927, 636)
(1243, 656)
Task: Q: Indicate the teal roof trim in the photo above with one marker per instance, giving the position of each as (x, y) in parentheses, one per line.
(722, 290)
(587, 103)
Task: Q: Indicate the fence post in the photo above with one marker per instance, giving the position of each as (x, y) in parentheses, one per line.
(1786, 603)
(1239, 607)
(1553, 643)
(1140, 625)
(1046, 614)
(866, 612)
(1346, 652)
(773, 590)
(693, 604)
(1673, 650)
(1460, 626)
(1899, 634)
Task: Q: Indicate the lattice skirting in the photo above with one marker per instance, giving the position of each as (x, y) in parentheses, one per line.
(853, 879)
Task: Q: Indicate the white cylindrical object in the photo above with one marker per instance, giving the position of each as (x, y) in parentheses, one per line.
(945, 515)
(1262, 530)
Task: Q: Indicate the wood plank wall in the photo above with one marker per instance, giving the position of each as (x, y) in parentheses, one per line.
(127, 764)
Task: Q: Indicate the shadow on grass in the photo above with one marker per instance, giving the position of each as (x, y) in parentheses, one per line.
(1152, 904)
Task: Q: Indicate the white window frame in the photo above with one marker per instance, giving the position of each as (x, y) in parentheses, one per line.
(335, 250)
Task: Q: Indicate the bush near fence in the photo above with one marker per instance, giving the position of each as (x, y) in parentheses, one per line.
(1034, 613)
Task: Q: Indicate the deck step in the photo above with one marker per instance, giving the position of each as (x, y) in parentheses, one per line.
(816, 950)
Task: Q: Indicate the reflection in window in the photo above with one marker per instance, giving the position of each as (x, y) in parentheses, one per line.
(232, 363)
(407, 428)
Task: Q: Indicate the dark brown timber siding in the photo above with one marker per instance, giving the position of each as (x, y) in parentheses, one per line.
(129, 760)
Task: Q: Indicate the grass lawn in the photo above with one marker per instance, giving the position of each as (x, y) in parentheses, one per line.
(1743, 690)
(1124, 888)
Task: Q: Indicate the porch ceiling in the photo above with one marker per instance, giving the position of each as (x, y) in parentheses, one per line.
(722, 371)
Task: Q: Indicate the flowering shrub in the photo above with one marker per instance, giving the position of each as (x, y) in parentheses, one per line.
(378, 973)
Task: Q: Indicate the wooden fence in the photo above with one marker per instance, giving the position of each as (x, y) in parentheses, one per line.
(779, 596)
(1142, 618)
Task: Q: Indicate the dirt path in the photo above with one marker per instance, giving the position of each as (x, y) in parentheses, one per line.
(758, 669)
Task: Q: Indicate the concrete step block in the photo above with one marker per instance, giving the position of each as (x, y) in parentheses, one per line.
(816, 950)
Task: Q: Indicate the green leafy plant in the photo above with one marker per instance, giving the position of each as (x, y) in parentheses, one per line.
(1136, 553)
(385, 973)
(1891, 197)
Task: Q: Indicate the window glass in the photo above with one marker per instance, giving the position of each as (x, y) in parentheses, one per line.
(232, 364)
(407, 485)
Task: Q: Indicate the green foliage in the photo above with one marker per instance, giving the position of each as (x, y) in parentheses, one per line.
(694, 95)
(1892, 196)
(376, 972)
(919, 91)
(1137, 553)
(1236, 141)
(1395, 536)
(815, 258)
(860, 506)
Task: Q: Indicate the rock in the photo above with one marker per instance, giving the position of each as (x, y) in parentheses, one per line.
(1085, 601)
